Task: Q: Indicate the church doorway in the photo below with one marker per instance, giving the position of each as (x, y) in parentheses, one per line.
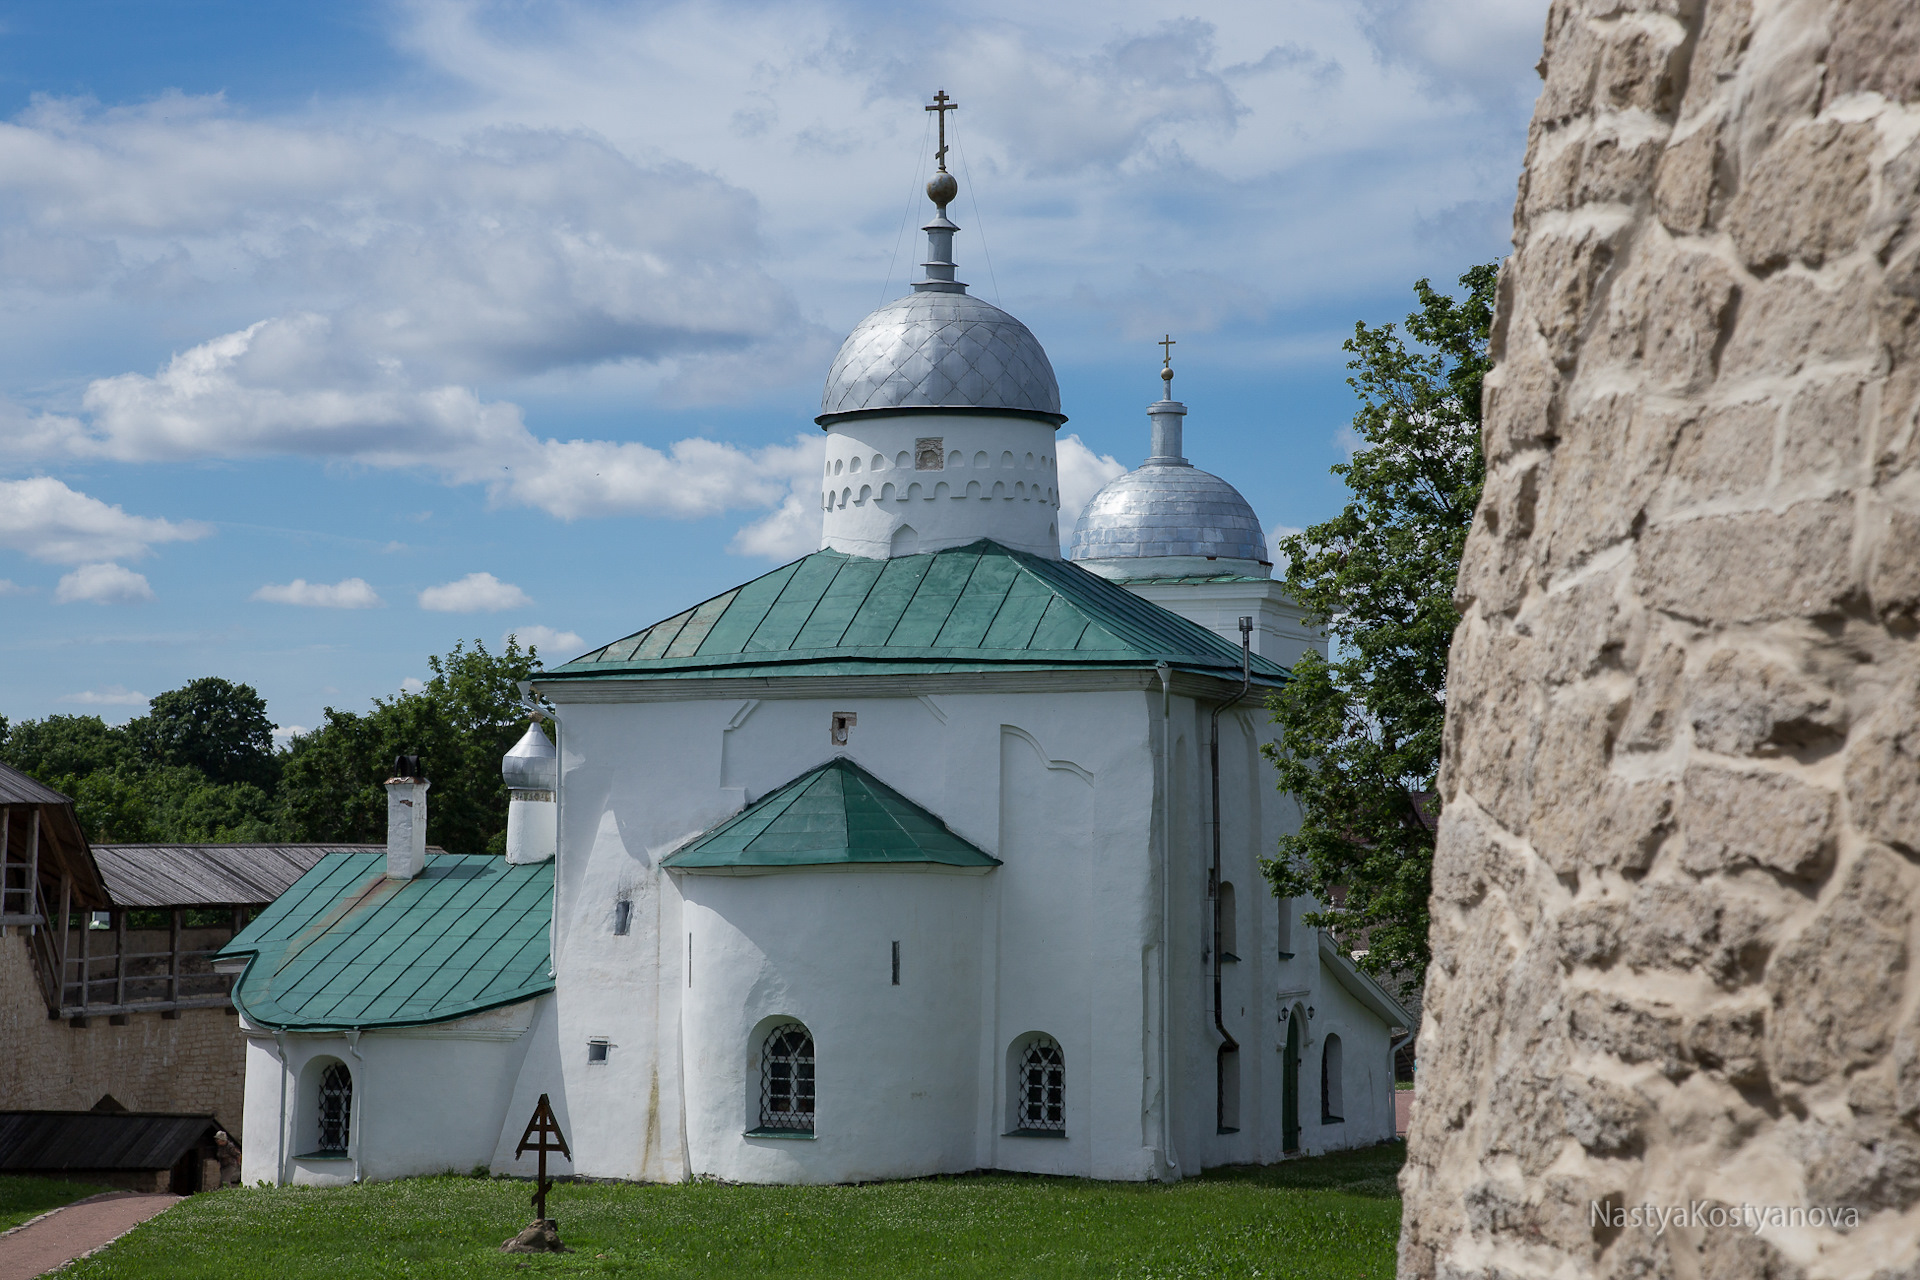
(1290, 1087)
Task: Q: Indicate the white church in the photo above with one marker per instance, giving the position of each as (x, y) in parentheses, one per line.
(928, 852)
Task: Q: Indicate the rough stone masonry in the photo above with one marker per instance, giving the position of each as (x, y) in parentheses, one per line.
(1677, 890)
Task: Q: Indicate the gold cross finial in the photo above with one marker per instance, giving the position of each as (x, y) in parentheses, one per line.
(943, 104)
(1167, 344)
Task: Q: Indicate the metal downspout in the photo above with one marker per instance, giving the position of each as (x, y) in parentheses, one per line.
(280, 1162)
(1229, 1044)
(360, 1099)
(1165, 672)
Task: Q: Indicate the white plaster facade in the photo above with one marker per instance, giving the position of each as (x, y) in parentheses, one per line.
(900, 484)
(1073, 789)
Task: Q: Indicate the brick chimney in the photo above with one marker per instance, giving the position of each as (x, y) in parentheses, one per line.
(406, 819)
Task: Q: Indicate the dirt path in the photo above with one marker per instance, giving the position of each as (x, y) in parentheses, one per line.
(69, 1231)
(1402, 1115)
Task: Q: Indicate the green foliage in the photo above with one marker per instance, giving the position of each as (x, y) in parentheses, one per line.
(218, 727)
(459, 725)
(1293, 1222)
(1360, 735)
(200, 766)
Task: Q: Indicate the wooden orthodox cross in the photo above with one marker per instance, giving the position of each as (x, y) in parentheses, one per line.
(943, 104)
(539, 1129)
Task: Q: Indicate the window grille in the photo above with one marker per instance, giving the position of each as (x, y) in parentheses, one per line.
(336, 1107)
(786, 1079)
(1041, 1104)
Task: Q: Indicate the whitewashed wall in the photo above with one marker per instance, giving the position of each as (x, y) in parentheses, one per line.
(425, 1099)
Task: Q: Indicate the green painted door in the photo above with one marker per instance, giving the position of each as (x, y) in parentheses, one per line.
(1290, 1088)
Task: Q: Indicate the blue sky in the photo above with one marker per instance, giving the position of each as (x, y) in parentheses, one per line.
(333, 334)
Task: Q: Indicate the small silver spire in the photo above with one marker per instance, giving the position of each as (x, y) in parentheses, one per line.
(1166, 414)
(939, 267)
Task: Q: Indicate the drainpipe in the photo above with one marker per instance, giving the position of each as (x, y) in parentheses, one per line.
(1165, 672)
(359, 1117)
(280, 1163)
(1228, 1043)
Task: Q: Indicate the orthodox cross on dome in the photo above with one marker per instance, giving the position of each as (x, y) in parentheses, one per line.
(942, 104)
(1167, 344)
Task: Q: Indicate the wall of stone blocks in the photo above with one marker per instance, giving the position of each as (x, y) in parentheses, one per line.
(195, 1063)
(1678, 876)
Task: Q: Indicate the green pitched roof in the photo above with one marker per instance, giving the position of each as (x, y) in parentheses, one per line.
(982, 607)
(836, 815)
(347, 947)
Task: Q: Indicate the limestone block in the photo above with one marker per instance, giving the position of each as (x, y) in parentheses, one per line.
(1688, 180)
(1788, 321)
(1681, 926)
(1723, 452)
(1883, 772)
(1893, 564)
(1731, 1042)
(1724, 34)
(1522, 407)
(1806, 199)
(1836, 987)
(1602, 1117)
(1753, 567)
(1747, 704)
(1631, 1030)
(1731, 820)
(1654, 711)
(1875, 49)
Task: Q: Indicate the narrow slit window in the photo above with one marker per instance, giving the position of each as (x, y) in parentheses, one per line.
(896, 964)
(623, 916)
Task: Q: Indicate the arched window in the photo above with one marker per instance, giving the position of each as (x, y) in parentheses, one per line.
(1331, 1107)
(1040, 1088)
(336, 1108)
(786, 1079)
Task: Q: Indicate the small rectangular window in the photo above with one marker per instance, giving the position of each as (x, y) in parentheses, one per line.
(896, 964)
(597, 1050)
(622, 916)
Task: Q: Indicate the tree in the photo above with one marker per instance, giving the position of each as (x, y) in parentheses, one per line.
(218, 727)
(460, 725)
(1360, 733)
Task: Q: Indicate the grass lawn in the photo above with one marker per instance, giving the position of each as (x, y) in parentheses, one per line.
(24, 1198)
(1323, 1219)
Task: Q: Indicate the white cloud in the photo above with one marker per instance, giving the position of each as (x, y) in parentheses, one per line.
(102, 584)
(1275, 532)
(547, 640)
(112, 695)
(412, 684)
(10, 588)
(285, 733)
(349, 593)
(1083, 473)
(48, 521)
(1485, 49)
(475, 593)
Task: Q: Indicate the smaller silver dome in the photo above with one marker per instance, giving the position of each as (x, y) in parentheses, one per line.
(1163, 509)
(531, 765)
(936, 350)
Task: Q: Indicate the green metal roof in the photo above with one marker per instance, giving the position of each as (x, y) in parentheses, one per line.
(346, 947)
(982, 607)
(1189, 580)
(836, 815)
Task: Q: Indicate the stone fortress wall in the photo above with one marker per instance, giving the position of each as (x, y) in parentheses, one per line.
(193, 1064)
(1676, 888)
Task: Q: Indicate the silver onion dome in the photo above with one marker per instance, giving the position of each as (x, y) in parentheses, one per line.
(1167, 507)
(1166, 510)
(531, 764)
(940, 350)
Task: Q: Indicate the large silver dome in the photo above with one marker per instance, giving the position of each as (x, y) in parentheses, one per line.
(941, 350)
(1168, 509)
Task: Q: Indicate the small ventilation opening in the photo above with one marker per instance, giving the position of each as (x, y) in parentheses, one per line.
(597, 1050)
